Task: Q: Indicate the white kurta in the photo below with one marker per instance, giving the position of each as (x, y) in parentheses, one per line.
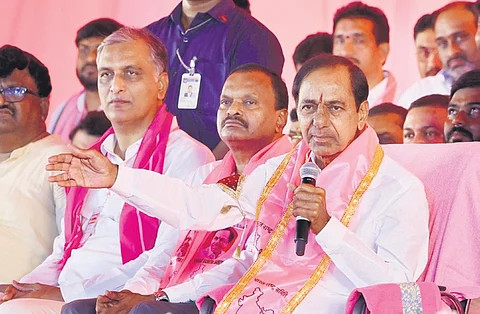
(390, 242)
(31, 208)
(427, 86)
(97, 265)
(376, 94)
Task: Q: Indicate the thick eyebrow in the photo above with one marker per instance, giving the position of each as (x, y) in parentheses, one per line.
(335, 102)
(407, 129)
(472, 103)
(309, 101)
(451, 35)
(104, 69)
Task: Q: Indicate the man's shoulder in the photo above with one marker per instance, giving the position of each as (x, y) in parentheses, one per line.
(179, 138)
(51, 144)
(197, 177)
(426, 86)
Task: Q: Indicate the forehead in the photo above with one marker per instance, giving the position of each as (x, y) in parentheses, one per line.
(352, 26)
(326, 82)
(466, 95)
(120, 55)
(425, 113)
(248, 82)
(222, 233)
(19, 78)
(425, 38)
(454, 20)
(386, 120)
(91, 41)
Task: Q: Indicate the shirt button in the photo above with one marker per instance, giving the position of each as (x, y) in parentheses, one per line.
(185, 39)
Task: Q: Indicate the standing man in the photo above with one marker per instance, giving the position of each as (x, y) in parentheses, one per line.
(71, 112)
(361, 34)
(206, 40)
(463, 123)
(369, 216)
(102, 233)
(428, 62)
(31, 208)
(311, 46)
(455, 27)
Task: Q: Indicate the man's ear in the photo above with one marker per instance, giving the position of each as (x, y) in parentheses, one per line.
(362, 115)
(384, 50)
(282, 118)
(162, 85)
(44, 105)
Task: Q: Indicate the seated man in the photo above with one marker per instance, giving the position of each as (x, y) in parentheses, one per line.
(295, 133)
(312, 46)
(387, 120)
(31, 207)
(250, 120)
(101, 231)
(74, 109)
(90, 129)
(463, 123)
(425, 120)
(369, 216)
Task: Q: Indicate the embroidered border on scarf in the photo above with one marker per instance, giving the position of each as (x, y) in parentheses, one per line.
(280, 229)
(411, 298)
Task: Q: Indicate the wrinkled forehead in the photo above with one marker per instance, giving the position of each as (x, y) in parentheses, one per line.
(456, 19)
(125, 54)
(465, 96)
(19, 78)
(326, 82)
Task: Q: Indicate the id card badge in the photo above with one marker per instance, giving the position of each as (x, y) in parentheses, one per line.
(189, 91)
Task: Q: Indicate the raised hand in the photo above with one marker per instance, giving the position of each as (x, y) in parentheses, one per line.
(85, 168)
(309, 202)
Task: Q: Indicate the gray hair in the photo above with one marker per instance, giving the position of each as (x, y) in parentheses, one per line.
(158, 52)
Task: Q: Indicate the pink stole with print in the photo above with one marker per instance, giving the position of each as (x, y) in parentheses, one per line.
(70, 117)
(388, 94)
(193, 254)
(284, 273)
(137, 230)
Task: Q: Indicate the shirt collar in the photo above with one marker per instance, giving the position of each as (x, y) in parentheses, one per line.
(108, 149)
(221, 12)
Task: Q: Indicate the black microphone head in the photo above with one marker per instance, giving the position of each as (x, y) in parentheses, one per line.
(309, 170)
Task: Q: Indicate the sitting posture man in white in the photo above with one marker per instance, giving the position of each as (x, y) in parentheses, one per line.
(101, 232)
(369, 216)
(31, 208)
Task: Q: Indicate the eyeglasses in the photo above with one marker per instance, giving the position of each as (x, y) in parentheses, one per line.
(15, 93)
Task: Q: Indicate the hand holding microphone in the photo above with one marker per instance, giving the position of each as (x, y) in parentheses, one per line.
(309, 207)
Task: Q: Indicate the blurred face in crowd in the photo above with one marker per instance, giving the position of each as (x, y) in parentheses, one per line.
(428, 60)
(424, 125)
(247, 112)
(295, 133)
(130, 88)
(455, 31)
(22, 111)
(83, 140)
(86, 62)
(388, 127)
(327, 112)
(463, 123)
(354, 39)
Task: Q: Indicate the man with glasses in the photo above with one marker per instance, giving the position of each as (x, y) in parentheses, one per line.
(31, 208)
(455, 27)
(74, 110)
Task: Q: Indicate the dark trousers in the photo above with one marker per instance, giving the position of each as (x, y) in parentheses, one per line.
(87, 306)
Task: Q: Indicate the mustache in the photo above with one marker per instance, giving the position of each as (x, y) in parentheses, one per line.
(457, 57)
(8, 107)
(243, 122)
(460, 130)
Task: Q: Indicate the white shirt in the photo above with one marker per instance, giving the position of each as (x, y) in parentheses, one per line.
(377, 92)
(147, 279)
(390, 242)
(97, 265)
(427, 86)
(31, 208)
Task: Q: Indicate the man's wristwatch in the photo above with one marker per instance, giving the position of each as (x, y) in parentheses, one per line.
(161, 296)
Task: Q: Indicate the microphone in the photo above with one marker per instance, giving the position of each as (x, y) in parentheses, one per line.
(308, 173)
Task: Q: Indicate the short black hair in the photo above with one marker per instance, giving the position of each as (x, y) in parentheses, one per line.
(311, 46)
(243, 4)
(97, 28)
(357, 77)
(293, 115)
(357, 9)
(388, 107)
(278, 85)
(470, 6)
(12, 58)
(469, 79)
(95, 123)
(425, 22)
(434, 100)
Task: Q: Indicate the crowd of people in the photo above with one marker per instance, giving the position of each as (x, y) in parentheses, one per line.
(170, 184)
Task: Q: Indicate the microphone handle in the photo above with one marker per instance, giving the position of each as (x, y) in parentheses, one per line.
(301, 235)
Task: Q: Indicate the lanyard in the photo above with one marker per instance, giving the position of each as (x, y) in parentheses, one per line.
(191, 68)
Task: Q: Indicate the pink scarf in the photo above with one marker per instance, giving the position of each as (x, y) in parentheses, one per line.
(69, 116)
(137, 230)
(388, 94)
(193, 255)
(273, 288)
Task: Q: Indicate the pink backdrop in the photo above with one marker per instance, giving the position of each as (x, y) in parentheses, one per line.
(47, 29)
